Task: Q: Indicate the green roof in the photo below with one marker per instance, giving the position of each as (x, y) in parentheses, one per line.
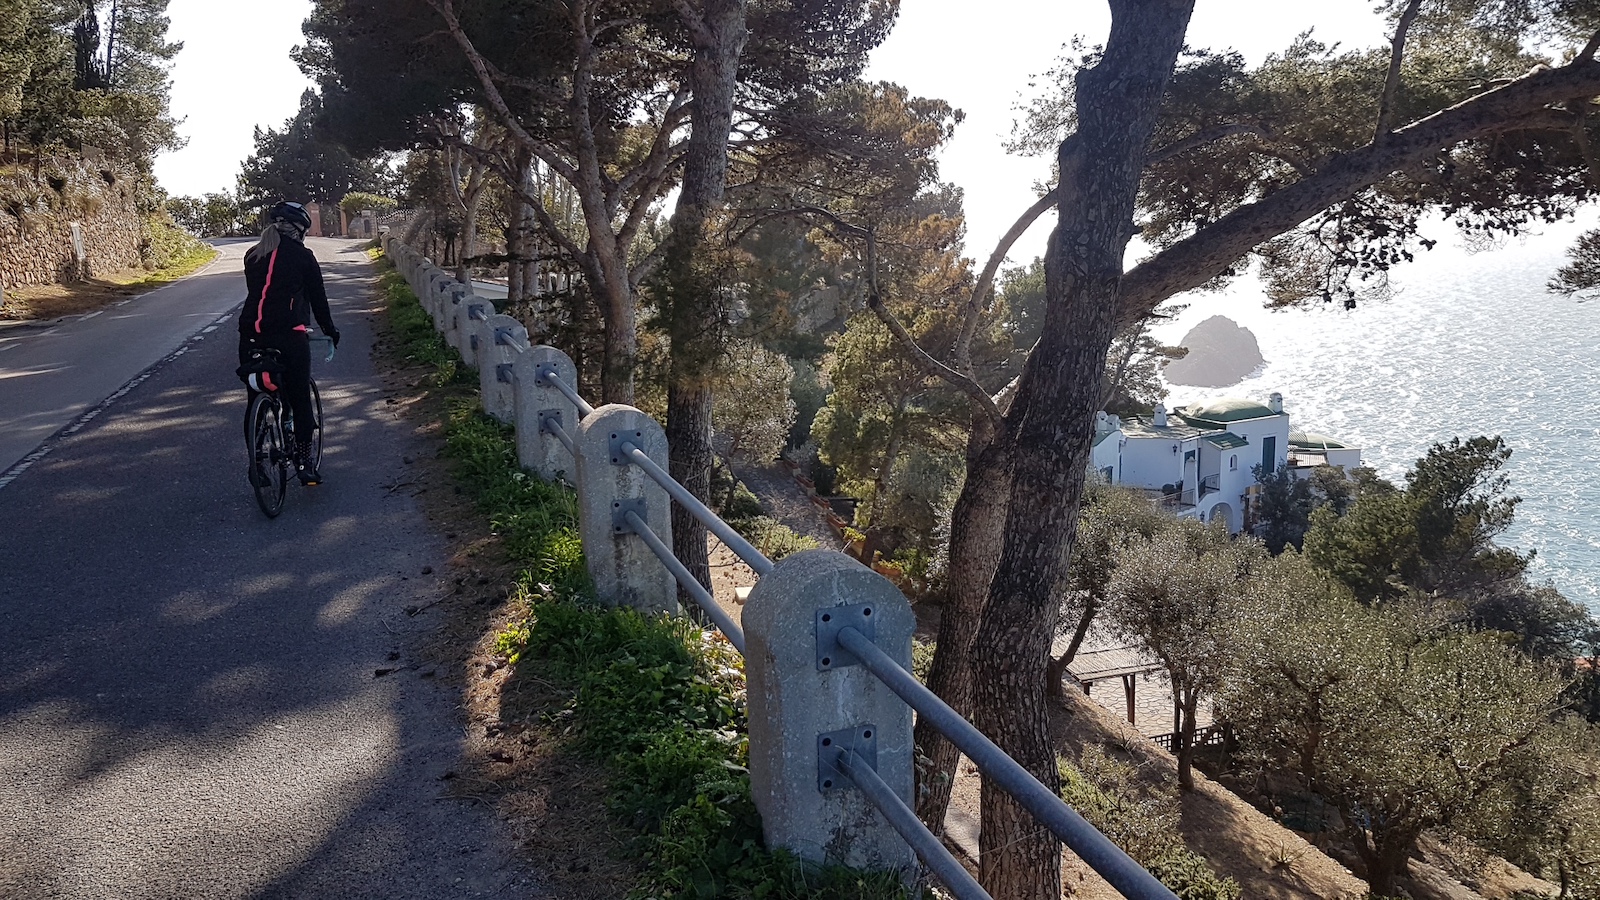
(1228, 409)
(1226, 440)
(1310, 440)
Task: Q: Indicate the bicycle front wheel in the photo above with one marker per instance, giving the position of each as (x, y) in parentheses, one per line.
(269, 457)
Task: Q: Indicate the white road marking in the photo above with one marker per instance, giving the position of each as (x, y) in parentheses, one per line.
(9, 475)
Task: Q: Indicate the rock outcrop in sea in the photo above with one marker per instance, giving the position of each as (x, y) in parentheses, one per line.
(1221, 353)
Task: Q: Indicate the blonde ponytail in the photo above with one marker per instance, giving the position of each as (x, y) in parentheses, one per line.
(267, 244)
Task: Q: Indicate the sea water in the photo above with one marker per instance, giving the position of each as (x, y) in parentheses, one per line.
(1470, 343)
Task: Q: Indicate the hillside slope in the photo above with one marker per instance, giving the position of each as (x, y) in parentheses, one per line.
(1270, 861)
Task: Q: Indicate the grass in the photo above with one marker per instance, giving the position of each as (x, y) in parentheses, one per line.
(181, 267)
(655, 699)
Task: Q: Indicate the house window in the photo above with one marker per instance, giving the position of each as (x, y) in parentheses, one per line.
(1233, 463)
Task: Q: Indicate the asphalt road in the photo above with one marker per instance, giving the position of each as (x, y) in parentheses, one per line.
(188, 706)
(47, 380)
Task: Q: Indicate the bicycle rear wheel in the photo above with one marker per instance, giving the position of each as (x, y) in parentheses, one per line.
(269, 457)
(315, 453)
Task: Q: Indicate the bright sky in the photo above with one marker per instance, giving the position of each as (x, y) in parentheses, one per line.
(233, 74)
(981, 64)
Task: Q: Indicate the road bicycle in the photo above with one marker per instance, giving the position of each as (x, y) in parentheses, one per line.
(269, 429)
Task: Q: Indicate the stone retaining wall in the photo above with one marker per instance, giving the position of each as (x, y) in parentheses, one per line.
(36, 216)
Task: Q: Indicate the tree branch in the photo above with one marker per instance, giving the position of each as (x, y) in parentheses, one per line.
(1589, 49)
(961, 355)
(446, 9)
(932, 367)
(928, 364)
(694, 22)
(1211, 250)
(1391, 83)
(662, 148)
(1204, 136)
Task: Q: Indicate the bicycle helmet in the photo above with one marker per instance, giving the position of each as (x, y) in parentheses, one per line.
(292, 215)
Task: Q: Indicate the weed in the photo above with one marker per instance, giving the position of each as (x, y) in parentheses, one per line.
(418, 342)
(1283, 857)
(774, 539)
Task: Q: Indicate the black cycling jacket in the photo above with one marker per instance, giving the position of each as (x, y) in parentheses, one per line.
(283, 291)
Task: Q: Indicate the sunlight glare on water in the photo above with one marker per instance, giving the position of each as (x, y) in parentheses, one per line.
(1471, 344)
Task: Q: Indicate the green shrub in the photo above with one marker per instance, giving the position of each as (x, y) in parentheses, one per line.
(774, 539)
(356, 201)
(1189, 876)
(922, 658)
(166, 245)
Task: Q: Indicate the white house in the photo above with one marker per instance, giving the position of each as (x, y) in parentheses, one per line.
(1199, 460)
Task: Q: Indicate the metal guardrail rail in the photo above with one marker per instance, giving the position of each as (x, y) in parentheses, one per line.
(549, 376)
(736, 542)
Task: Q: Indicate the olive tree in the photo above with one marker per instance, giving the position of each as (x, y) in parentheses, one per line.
(1177, 592)
(1399, 722)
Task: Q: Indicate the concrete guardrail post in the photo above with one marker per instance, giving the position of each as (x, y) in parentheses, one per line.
(468, 334)
(501, 336)
(421, 272)
(443, 300)
(539, 408)
(439, 300)
(804, 690)
(624, 570)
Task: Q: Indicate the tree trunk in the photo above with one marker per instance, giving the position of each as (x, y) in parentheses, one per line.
(1050, 425)
(976, 523)
(513, 250)
(471, 199)
(690, 283)
(621, 341)
(1384, 852)
(525, 263)
(690, 461)
(1183, 741)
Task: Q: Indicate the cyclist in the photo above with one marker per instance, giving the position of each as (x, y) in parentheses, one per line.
(284, 290)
